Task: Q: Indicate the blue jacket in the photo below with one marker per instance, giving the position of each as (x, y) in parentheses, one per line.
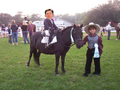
(49, 25)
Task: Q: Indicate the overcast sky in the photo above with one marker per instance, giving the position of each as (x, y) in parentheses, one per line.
(39, 6)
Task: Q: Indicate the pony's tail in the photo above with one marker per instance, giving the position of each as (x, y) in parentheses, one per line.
(36, 57)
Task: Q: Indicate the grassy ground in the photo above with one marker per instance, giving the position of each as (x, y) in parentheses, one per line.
(14, 75)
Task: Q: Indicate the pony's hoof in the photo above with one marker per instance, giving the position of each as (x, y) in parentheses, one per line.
(64, 72)
(57, 74)
(39, 65)
(27, 66)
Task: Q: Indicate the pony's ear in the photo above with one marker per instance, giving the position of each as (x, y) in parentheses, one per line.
(81, 25)
(74, 26)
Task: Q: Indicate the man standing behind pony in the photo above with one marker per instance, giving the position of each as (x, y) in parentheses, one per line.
(109, 29)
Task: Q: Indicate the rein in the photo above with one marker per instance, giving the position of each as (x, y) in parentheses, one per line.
(72, 40)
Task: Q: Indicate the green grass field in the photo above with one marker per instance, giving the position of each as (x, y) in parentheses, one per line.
(14, 75)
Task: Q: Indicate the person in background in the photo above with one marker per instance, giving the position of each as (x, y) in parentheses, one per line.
(101, 30)
(30, 29)
(63, 28)
(109, 28)
(10, 33)
(25, 32)
(72, 24)
(3, 30)
(104, 31)
(26, 20)
(78, 25)
(14, 29)
(34, 30)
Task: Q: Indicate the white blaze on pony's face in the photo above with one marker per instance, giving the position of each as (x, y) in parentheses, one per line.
(77, 35)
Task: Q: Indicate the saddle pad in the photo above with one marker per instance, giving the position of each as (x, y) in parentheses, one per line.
(53, 41)
(46, 38)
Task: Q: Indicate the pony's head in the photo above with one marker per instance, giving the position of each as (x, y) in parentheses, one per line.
(113, 23)
(77, 35)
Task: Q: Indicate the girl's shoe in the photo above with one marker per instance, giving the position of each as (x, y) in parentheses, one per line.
(13, 44)
(16, 43)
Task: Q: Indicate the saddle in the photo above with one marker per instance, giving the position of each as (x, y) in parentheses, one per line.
(48, 38)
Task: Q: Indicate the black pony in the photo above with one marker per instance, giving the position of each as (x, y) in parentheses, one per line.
(60, 48)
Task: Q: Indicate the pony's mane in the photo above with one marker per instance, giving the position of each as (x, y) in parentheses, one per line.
(66, 28)
(115, 21)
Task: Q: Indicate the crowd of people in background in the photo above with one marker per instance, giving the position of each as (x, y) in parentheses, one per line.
(28, 27)
(13, 28)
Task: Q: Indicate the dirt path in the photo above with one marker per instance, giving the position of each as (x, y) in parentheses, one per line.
(99, 34)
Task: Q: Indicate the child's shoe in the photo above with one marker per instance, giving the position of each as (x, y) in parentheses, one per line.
(97, 74)
(85, 74)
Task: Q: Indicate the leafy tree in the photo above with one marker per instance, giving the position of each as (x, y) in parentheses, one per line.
(5, 18)
(35, 17)
(18, 17)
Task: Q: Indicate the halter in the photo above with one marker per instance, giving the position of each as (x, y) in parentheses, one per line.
(72, 40)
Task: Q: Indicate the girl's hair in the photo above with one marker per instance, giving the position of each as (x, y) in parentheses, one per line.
(93, 27)
(49, 10)
(9, 25)
(13, 21)
(24, 22)
(30, 22)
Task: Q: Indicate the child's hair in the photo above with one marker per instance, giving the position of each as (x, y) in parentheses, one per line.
(30, 22)
(93, 27)
(49, 10)
(13, 21)
(9, 25)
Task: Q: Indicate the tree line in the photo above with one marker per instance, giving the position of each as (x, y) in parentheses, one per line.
(7, 18)
(101, 15)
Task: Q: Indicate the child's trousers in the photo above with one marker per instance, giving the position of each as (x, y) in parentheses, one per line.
(89, 55)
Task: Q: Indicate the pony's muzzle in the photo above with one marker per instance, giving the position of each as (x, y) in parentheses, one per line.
(79, 44)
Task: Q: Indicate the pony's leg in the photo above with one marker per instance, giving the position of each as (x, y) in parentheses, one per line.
(117, 35)
(38, 58)
(57, 63)
(63, 61)
(29, 59)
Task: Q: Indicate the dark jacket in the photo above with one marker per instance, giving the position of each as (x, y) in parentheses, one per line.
(49, 25)
(14, 28)
(24, 27)
(30, 31)
(34, 30)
